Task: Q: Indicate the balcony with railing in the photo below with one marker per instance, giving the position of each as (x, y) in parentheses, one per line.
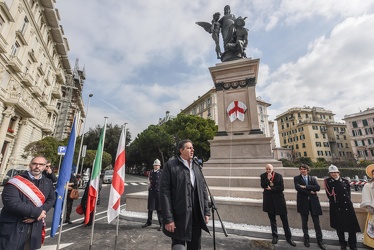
(21, 37)
(15, 64)
(52, 108)
(27, 79)
(37, 91)
(56, 91)
(44, 100)
(23, 103)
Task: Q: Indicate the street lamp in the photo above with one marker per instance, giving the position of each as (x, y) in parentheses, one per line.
(84, 125)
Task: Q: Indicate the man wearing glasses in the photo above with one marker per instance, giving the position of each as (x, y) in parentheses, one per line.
(26, 198)
(184, 199)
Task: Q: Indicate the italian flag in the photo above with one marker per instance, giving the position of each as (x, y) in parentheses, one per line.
(95, 178)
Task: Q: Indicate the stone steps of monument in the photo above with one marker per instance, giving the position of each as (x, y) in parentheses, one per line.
(256, 193)
(247, 211)
(245, 171)
(246, 181)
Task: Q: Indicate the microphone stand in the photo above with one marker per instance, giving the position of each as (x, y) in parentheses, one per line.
(213, 207)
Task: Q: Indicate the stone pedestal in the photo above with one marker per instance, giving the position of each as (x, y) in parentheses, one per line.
(239, 142)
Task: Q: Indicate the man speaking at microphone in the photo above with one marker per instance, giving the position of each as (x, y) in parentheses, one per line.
(184, 199)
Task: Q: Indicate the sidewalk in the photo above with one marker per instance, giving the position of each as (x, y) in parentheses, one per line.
(244, 236)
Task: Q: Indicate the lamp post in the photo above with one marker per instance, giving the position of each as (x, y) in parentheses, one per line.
(84, 125)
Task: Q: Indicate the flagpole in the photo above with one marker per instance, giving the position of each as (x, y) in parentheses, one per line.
(94, 212)
(62, 216)
(119, 206)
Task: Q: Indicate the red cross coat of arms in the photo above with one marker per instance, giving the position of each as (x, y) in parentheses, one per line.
(236, 110)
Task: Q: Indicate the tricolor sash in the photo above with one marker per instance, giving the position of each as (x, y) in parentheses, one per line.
(29, 189)
(32, 192)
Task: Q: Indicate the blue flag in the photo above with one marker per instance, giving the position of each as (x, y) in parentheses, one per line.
(63, 178)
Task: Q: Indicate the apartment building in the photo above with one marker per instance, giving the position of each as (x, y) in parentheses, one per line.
(33, 68)
(206, 107)
(312, 132)
(360, 127)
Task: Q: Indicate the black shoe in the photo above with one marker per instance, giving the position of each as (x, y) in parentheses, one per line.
(321, 245)
(353, 248)
(146, 225)
(159, 229)
(291, 242)
(275, 240)
(343, 248)
(68, 221)
(306, 243)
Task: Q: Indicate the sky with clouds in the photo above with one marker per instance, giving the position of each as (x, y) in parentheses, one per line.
(143, 58)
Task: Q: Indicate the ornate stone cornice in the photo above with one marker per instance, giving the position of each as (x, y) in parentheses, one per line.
(249, 82)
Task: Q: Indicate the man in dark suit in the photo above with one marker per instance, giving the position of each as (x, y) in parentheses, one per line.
(308, 202)
(274, 202)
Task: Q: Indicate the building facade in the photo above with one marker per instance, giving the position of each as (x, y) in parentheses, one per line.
(360, 127)
(206, 107)
(312, 132)
(33, 68)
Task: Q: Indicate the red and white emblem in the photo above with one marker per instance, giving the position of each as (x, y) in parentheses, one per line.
(236, 110)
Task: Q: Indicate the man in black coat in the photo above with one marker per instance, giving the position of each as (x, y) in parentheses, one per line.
(154, 194)
(308, 202)
(22, 219)
(274, 202)
(184, 199)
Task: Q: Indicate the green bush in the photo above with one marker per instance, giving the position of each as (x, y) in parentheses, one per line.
(344, 172)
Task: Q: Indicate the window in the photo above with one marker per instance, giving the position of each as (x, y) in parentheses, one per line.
(297, 146)
(354, 124)
(209, 101)
(2, 21)
(303, 145)
(15, 48)
(316, 135)
(24, 25)
(305, 154)
(365, 122)
(318, 144)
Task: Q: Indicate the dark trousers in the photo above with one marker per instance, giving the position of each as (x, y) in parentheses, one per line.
(352, 239)
(317, 227)
(195, 243)
(69, 207)
(150, 214)
(273, 224)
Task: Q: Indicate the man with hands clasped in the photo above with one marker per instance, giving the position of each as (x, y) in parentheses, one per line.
(26, 198)
(308, 202)
(274, 202)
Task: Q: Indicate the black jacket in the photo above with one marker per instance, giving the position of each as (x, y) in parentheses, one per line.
(342, 214)
(176, 203)
(154, 190)
(17, 207)
(273, 200)
(306, 201)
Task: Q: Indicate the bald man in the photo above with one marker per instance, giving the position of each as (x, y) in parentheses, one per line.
(274, 202)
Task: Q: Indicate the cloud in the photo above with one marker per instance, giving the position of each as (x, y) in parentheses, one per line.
(335, 74)
(143, 58)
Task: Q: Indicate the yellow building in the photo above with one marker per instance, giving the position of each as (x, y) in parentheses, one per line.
(33, 68)
(360, 127)
(312, 132)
